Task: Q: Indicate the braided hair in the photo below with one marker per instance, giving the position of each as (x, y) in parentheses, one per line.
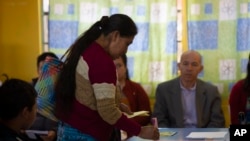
(65, 88)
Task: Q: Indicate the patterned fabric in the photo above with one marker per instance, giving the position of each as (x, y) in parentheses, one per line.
(45, 87)
(217, 29)
(67, 133)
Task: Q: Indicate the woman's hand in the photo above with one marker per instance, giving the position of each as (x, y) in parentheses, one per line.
(50, 137)
(149, 132)
(125, 108)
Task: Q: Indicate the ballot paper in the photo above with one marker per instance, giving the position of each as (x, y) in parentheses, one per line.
(38, 132)
(32, 133)
(139, 113)
(167, 133)
(206, 135)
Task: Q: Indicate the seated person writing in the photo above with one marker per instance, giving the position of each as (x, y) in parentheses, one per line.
(187, 101)
(17, 109)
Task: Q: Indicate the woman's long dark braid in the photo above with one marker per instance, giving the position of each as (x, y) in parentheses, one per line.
(65, 88)
(66, 85)
(247, 79)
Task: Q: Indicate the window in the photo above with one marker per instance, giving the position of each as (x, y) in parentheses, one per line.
(45, 24)
(179, 29)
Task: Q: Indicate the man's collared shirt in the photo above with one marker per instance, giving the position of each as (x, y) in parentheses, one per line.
(189, 106)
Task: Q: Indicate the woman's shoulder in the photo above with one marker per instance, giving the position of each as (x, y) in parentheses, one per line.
(97, 55)
(133, 83)
(239, 83)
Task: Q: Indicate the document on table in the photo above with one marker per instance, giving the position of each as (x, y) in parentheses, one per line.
(205, 135)
(167, 133)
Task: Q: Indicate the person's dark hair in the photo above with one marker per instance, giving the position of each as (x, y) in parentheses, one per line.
(125, 60)
(15, 95)
(43, 56)
(247, 79)
(65, 88)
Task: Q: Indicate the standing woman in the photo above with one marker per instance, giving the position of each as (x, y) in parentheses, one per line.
(239, 99)
(86, 98)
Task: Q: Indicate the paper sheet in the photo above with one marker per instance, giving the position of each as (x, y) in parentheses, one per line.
(139, 113)
(167, 133)
(39, 132)
(203, 135)
(32, 133)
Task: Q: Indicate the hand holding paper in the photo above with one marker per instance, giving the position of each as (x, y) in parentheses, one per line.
(139, 113)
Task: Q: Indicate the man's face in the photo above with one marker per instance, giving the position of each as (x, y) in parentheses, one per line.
(190, 66)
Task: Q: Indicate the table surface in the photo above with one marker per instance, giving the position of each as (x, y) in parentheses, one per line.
(181, 134)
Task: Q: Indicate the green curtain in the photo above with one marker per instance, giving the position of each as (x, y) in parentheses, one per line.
(152, 56)
(219, 30)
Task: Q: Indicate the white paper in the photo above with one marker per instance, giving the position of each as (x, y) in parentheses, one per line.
(32, 133)
(39, 132)
(139, 113)
(203, 135)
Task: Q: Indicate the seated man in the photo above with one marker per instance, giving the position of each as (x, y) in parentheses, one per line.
(17, 109)
(187, 101)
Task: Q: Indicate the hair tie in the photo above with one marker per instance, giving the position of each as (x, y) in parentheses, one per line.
(103, 22)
